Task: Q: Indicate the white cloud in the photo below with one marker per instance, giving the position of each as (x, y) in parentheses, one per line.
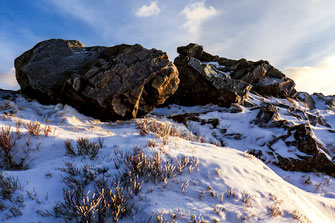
(196, 13)
(150, 10)
(319, 78)
(8, 80)
(286, 33)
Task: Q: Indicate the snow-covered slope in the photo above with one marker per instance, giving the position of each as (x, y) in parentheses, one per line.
(208, 182)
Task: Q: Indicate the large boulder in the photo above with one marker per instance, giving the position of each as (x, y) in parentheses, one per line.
(202, 83)
(109, 83)
(200, 71)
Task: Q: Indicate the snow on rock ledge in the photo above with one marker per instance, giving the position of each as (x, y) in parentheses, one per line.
(212, 79)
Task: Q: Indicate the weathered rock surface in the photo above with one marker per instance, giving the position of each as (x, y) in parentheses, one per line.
(306, 98)
(212, 79)
(119, 82)
(317, 159)
(202, 83)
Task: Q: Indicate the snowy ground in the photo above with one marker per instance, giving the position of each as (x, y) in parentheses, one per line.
(219, 184)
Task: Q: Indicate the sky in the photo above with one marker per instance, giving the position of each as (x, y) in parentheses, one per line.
(298, 37)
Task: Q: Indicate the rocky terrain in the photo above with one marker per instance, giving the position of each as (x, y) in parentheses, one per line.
(104, 82)
(123, 134)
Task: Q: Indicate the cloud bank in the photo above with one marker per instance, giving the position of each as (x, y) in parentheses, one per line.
(310, 78)
(295, 34)
(150, 10)
(8, 80)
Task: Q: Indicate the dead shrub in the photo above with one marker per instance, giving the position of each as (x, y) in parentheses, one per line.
(9, 188)
(13, 157)
(68, 208)
(76, 180)
(110, 199)
(34, 128)
(85, 147)
(69, 148)
(113, 198)
(117, 203)
(7, 143)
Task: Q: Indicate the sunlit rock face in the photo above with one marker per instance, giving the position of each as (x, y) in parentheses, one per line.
(109, 83)
(212, 79)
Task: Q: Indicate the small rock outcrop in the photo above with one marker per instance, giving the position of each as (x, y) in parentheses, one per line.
(203, 83)
(212, 79)
(267, 116)
(109, 83)
(307, 99)
(317, 156)
(327, 101)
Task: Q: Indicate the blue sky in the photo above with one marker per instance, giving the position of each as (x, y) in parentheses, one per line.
(296, 36)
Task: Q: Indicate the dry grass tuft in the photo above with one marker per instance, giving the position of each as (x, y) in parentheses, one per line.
(88, 207)
(152, 143)
(184, 186)
(301, 218)
(199, 219)
(164, 130)
(275, 209)
(231, 193)
(47, 130)
(247, 199)
(7, 139)
(34, 128)
(160, 129)
(218, 209)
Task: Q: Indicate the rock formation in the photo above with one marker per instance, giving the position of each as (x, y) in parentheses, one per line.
(317, 156)
(127, 81)
(202, 83)
(212, 79)
(109, 83)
